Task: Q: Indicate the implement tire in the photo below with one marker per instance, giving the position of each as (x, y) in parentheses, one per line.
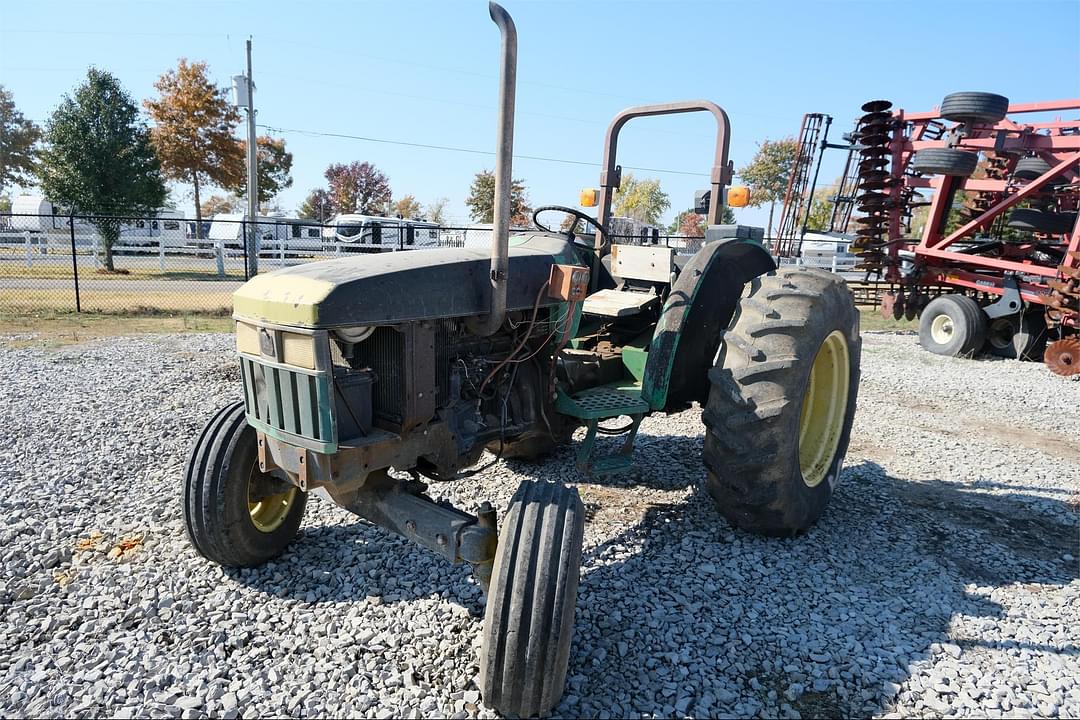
(782, 401)
(234, 514)
(953, 325)
(979, 107)
(529, 617)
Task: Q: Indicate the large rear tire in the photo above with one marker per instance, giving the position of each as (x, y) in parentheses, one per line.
(529, 617)
(782, 401)
(236, 515)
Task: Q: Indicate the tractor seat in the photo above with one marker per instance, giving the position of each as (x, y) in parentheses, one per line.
(618, 303)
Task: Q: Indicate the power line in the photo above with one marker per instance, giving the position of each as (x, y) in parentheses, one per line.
(471, 151)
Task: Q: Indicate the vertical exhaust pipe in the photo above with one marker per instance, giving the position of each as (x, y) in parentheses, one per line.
(500, 243)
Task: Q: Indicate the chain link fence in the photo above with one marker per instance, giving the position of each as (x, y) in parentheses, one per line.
(132, 265)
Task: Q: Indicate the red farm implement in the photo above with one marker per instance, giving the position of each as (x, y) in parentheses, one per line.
(980, 197)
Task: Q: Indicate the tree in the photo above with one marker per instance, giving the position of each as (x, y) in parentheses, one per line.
(358, 187)
(436, 210)
(217, 204)
(99, 159)
(642, 200)
(273, 164)
(18, 138)
(408, 208)
(194, 130)
(691, 224)
(5, 204)
(768, 173)
(318, 205)
(481, 200)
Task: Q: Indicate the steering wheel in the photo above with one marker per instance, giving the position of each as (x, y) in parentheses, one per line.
(569, 232)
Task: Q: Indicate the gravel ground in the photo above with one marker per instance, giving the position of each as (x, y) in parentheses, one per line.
(942, 581)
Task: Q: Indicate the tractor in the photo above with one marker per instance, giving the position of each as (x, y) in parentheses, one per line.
(368, 375)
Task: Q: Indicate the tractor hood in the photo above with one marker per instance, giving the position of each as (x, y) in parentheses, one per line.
(403, 286)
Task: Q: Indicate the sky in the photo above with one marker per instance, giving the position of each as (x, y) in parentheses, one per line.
(427, 73)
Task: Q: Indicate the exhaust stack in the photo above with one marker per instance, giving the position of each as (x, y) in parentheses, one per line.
(500, 244)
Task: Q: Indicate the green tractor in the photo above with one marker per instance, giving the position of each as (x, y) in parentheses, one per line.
(418, 362)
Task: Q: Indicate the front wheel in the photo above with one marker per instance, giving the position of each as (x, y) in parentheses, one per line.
(235, 514)
(782, 401)
(529, 617)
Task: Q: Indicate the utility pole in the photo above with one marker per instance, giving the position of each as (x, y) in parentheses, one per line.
(253, 174)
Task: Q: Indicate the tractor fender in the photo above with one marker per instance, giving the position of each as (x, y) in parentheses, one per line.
(699, 307)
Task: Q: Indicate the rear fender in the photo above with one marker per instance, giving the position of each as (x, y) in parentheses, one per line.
(698, 309)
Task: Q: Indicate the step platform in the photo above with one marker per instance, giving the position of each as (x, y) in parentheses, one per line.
(594, 405)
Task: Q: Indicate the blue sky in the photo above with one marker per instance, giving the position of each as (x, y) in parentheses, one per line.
(426, 72)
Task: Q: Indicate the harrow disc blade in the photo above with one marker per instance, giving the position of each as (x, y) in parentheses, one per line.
(1063, 356)
(874, 106)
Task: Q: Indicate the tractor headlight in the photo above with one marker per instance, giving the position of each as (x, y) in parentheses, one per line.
(281, 346)
(298, 350)
(247, 339)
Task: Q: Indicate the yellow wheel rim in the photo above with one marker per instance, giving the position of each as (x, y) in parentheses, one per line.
(267, 512)
(824, 405)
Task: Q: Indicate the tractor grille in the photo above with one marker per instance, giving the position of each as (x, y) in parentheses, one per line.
(287, 401)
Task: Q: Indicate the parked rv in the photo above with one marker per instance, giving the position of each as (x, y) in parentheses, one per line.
(35, 214)
(373, 233)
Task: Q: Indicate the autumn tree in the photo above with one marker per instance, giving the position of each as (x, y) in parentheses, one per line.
(18, 140)
(642, 200)
(193, 132)
(481, 200)
(407, 208)
(436, 210)
(358, 187)
(768, 173)
(99, 160)
(692, 224)
(819, 219)
(318, 205)
(217, 204)
(273, 164)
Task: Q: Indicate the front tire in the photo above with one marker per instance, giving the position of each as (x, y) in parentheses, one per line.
(236, 515)
(782, 401)
(529, 617)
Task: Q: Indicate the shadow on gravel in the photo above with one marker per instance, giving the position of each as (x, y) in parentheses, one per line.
(826, 622)
(343, 563)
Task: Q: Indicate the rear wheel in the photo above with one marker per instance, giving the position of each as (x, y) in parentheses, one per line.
(782, 401)
(529, 617)
(235, 514)
(953, 325)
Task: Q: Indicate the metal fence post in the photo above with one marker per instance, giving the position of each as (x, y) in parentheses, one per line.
(243, 229)
(74, 262)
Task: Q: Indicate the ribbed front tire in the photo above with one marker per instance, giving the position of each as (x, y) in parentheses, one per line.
(235, 515)
(529, 618)
(782, 401)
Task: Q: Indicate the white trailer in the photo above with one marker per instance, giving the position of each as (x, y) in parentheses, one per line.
(351, 232)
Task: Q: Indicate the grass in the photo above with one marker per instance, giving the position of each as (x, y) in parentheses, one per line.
(870, 319)
(28, 301)
(50, 329)
(149, 271)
